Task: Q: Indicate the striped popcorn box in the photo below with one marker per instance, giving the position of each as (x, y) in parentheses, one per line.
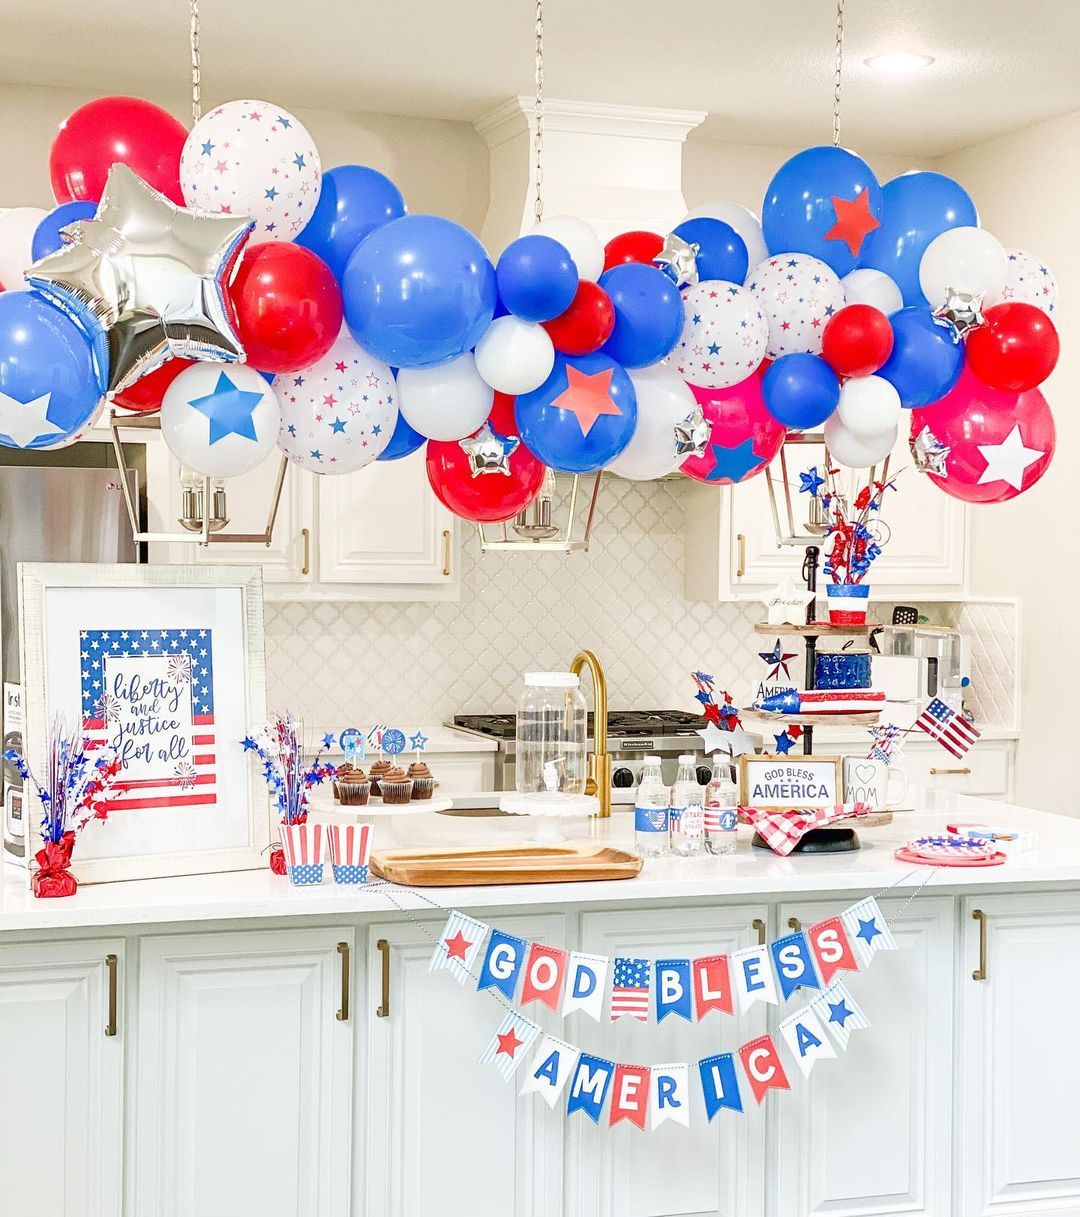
(303, 846)
(350, 845)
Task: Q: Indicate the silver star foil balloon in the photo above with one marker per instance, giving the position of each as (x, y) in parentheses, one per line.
(147, 279)
(678, 260)
(962, 311)
(929, 453)
(489, 452)
(692, 434)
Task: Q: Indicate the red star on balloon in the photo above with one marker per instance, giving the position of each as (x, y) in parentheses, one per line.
(853, 221)
(587, 396)
(508, 1044)
(457, 946)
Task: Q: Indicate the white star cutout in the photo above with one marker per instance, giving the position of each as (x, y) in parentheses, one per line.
(24, 421)
(1008, 461)
(787, 604)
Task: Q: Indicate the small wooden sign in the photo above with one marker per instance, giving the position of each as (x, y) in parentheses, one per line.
(774, 783)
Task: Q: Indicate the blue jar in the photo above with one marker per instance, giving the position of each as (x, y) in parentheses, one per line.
(842, 670)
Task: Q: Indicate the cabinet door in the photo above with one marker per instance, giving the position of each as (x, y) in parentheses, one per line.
(244, 1075)
(61, 1081)
(384, 525)
(1019, 1151)
(444, 1134)
(871, 1131)
(706, 1169)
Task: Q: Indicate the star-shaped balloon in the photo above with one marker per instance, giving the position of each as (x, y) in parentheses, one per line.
(147, 279)
(489, 452)
(962, 311)
(929, 453)
(678, 260)
(692, 433)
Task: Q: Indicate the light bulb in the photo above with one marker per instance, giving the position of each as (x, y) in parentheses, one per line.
(190, 479)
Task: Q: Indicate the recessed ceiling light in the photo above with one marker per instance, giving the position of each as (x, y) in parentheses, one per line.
(896, 62)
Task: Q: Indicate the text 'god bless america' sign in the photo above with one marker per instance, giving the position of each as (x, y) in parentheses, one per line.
(787, 781)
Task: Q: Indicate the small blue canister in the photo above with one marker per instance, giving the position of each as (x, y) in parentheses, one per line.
(842, 670)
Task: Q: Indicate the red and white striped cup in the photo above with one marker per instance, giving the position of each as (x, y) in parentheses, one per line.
(303, 846)
(350, 845)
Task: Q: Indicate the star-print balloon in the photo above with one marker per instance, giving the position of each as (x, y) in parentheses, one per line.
(798, 294)
(339, 414)
(221, 422)
(744, 436)
(1030, 281)
(255, 159)
(724, 337)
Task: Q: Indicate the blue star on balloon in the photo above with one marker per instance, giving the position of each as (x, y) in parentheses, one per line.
(733, 463)
(868, 930)
(838, 1012)
(338, 426)
(784, 743)
(229, 410)
(812, 482)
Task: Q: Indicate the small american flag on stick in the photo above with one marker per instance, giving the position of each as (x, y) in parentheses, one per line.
(943, 724)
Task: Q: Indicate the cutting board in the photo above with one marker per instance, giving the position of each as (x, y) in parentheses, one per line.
(471, 866)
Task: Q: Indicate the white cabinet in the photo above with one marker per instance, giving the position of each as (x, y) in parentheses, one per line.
(244, 1075)
(1018, 1151)
(871, 1131)
(709, 1170)
(61, 1078)
(443, 1134)
(986, 772)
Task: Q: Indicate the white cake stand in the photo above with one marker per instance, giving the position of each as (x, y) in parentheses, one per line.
(548, 807)
(383, 817)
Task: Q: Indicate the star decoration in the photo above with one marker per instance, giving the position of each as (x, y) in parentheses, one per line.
(229, 409)
(733, 464)
(692, 434)
(587, 396)
(489, 452)
(839, 1012)
(853, 221)
(787, 603)
(929, 453)
(457, 946)
(25, 421)
(868, 930)
(811, 482)
(962, 311)
(1009, 460)
(784, 743)
(678, 260)
(508, 1044)
(778, 658)
(418, 742)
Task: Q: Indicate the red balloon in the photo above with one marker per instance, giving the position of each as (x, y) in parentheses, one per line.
(1016, 350)
(146, 393)
(1000, 444)
(639, 246)
(857, 340)
(745, 436)
(587, 323)
(288, 306)
(486, 497)
(128, 130)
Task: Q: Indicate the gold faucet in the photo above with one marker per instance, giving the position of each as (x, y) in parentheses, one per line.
(599, 779)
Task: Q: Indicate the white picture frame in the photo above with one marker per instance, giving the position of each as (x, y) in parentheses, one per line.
(189, 800)
(779, 782)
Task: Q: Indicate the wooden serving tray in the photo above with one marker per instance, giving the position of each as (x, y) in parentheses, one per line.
(472, 866)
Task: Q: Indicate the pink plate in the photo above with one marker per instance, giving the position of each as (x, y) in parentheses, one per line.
(905, 855)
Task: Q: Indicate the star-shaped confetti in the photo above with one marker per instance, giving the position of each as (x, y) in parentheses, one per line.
(692, 433)
(678, 260)
(489, 452)
(962, 311)
(853, 221)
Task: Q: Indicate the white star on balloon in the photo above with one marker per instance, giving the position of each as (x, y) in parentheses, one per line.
(787, 603)
(24, 421)
(1008, 461)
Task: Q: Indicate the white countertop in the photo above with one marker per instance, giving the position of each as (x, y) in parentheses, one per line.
(752, 874)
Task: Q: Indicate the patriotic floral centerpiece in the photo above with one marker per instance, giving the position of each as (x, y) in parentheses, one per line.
(73, 792)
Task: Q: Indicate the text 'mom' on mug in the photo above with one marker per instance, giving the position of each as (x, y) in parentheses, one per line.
(872, 781)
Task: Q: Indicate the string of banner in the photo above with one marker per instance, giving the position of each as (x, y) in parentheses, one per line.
(648, 1096)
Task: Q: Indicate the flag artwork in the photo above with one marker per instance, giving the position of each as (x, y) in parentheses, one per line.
(149, 694)
(630, 989)
(951, 730)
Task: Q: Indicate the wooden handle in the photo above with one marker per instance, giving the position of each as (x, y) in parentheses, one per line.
(383, 1009)
(447, 538)
(306, 534)
(759, 925)
(741, 569)
(963, 770)
(980, 971)
(111, 964)
(343, 1011)
(794, 923)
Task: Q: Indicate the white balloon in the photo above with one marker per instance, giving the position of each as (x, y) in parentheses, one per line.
(515, 356)
(857, 451)
(445, 402)
(742, 219)
(17, 228)
(724, 335)
(663, 399)
(580, 241)
(798, 294)
(220, 420)
(873, 287)
(1030, 281)
(963, 260)
(868, 406)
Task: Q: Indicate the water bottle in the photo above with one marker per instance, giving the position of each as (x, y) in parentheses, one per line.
(651, 811)
(721, 800)
(687, 810)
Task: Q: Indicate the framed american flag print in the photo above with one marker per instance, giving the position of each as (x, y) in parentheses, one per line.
(165, 665)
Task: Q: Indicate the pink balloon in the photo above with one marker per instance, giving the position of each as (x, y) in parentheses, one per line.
(745, 436)
(977, 424)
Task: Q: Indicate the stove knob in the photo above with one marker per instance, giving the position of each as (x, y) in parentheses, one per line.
(704, 775)
(622, 778)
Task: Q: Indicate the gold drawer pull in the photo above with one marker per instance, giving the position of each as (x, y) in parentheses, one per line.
(980, 972)
(383, 1009)
(741, 570)
(963, 771)
(343, 1011)
(447, 538)
(306, 534)
(111, 964)
(759, 925)
(794, 923)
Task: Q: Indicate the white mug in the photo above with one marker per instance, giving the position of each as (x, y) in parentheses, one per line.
(872, 781)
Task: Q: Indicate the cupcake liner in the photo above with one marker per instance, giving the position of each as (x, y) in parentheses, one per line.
(396, 792)
(354, 794)
(422, 788)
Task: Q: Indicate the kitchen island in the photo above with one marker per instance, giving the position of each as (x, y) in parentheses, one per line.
(230, 1045)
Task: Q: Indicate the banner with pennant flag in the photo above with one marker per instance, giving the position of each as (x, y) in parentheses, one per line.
(868, 930)
(550, 1069)
(806, 1039)
(508, 1045)
(458, 946)
(840, 1013)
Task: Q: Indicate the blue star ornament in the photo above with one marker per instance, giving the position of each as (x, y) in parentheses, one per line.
(784, 743)
(868, 930)
(228, 409)
(811, 482)
(733, 464)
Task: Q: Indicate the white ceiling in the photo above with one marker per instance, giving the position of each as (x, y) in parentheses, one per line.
(761, 68)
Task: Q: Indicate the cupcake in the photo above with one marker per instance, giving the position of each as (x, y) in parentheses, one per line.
(422, 781)
(352, 786)
(381, 766)
(395, 785)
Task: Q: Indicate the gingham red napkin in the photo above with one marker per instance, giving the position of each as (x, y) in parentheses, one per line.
(783, 830)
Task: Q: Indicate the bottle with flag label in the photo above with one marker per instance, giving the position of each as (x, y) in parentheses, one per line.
(721, 799)
(651, 811)
(687, 810)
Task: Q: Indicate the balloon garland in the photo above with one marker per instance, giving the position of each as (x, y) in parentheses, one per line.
(174, 258)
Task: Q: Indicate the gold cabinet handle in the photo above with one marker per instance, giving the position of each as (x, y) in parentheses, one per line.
(111, 965)
(447, 539)
(383, 1009)
(759, 925)
(741, 569)
(344, 952)
(306, 534)
(980, 972)
(794, 923)
(963, 770)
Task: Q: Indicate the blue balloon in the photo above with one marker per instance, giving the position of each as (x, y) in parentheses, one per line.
(537, 278)
(50, 382)
(721, 251)
(581, 417)
(353, 202)
(648, 314)
(917, 207)
(927, 357)
(418, 291)
(403, 442)
(819, 192)
(800, 390)
(47, 239)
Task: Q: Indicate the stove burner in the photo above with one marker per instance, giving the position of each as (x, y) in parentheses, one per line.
(622, 724)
